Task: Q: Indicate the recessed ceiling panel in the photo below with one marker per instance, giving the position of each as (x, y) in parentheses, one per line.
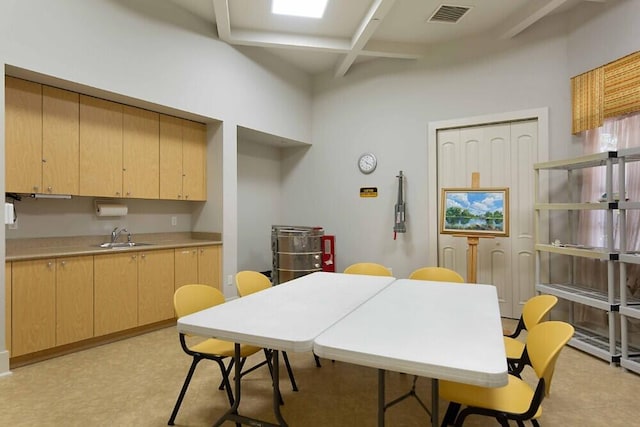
(341, 18)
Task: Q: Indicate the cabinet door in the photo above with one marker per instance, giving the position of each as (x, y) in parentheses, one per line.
(209, 259)
(74, 299)
(23, 136)
(7, 305)
(60, 141)
(33, 310)
(141, 155)
(155, 286)
(170, 158)
(100, 147)
(116, 293)
(186, 266)
(194, 160)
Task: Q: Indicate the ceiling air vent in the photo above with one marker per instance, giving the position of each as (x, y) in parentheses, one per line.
(448, 14)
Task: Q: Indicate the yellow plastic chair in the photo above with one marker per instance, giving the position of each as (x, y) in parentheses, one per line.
(192, 298)
(437, 274)
(369, 268)
(517, 400)
(533, 312)
(249, 282)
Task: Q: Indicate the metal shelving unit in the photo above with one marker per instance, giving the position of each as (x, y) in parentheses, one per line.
(598, 343)
(629, 306)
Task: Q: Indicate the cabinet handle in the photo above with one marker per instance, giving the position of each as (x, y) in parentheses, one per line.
(49, 189)
(143, 256)
(133, 257)
(35, 188)
(49, 264)
(179, 196)
(117, 193)
(186, 197)
(128, 193)
(44, 160)
(63, 263)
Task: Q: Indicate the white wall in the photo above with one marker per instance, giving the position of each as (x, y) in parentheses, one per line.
(148, 50)
(385, 107)
(259, 203)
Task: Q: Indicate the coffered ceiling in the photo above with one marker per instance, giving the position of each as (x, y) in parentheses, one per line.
(353, 31)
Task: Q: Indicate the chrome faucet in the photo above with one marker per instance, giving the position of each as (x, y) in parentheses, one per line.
(116, 233)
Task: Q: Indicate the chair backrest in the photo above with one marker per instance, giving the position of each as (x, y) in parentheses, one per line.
(188, 299)
(437, 274)
(248, 282)
(544, 342)
(369, 268)
(536, 308)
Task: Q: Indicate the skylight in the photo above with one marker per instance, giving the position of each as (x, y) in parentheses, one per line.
(306, 8)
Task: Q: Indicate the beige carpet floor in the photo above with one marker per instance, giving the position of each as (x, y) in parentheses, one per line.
(135, 382)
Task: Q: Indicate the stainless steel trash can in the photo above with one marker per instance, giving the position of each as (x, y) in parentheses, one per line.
(297, 251)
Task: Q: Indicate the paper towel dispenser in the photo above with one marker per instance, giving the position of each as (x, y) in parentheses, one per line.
(110, 209)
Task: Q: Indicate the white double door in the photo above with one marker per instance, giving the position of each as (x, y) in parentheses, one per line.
(503, 154)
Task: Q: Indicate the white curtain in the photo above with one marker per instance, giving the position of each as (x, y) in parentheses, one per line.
(615, 134)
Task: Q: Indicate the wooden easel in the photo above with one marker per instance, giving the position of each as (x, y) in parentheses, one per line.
(472, 241)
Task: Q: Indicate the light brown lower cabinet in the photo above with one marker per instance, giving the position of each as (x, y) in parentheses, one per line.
(74, 299)
(115, 292)
(198, 265)
(7, 310)
(57, 301)
(33, 306)
(155, 286)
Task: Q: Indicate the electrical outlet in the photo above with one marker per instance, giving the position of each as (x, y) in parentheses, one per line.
(14, 226)
(229, 280)
(174, 221)
(390, 270)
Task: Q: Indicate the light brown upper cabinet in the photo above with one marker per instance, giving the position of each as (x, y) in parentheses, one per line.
(141, 153)
(41, 138)
(23, 135)
(60, 141)
(183, 159)
(100, 147)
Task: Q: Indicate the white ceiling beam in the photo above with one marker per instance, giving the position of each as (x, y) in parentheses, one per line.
(382, 49)
(223, 21)
(291, 41)
(529, 15)
(368, 26)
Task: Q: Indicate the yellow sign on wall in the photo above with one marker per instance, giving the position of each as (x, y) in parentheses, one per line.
(368, 191)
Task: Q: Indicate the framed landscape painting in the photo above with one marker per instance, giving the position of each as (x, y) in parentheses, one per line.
(469, 212)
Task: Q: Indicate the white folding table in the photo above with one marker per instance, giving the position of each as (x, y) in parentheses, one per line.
(431, 329)
(287, 317)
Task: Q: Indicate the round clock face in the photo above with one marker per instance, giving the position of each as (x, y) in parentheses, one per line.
(367, 163)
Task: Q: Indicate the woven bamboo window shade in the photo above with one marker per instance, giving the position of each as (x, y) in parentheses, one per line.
(608, 91)
(622, 86)
(587, 93)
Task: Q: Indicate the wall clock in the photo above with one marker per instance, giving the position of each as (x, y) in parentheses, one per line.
(367, 163)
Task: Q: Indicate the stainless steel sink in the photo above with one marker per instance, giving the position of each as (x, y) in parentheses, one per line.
(122, 245)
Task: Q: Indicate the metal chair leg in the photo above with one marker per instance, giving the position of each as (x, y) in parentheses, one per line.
(183, 391)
